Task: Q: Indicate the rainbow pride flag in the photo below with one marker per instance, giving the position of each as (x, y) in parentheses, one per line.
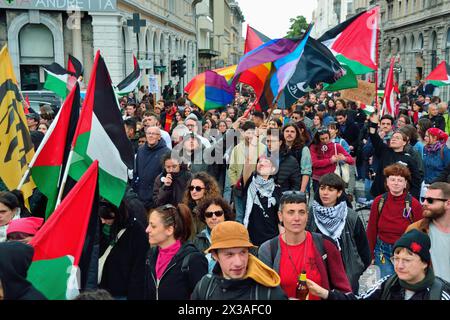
(210, 90)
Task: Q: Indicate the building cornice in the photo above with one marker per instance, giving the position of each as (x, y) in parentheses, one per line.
(418, 20)
(162, 19)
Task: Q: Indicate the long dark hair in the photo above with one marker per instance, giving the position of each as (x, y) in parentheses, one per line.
(299, 142)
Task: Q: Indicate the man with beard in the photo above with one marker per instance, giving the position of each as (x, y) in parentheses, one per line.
(436, 222)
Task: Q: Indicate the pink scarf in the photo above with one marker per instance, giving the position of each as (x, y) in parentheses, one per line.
(165, 256)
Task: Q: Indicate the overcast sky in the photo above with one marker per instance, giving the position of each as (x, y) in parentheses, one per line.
(271, 17)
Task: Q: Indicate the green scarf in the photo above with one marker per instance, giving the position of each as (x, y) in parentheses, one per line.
(427, 282)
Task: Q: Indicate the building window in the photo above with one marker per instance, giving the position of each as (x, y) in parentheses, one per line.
(124, 44)
(171, 6)
(390, 11)
(32, 57)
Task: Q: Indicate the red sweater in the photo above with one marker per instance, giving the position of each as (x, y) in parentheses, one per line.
(321, 161)
(391, 223)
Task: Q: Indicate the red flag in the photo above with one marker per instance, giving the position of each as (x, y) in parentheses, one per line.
(65, 231)
(254, 39)
(389, 93)
(255, 77)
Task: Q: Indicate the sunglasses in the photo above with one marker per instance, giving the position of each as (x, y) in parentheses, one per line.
(197, 188)
(216, 213)
(431, 200)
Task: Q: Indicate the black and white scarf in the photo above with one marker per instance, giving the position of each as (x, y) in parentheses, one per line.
(331, 221)
(265, 188)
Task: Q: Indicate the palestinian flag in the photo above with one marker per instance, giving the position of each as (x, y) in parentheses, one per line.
(46, 166)
(59, 244)
(131, 82)
(58, 79)
(100, 135)
(354, 42)
(440, 76)
(368, 110)
(254, 39)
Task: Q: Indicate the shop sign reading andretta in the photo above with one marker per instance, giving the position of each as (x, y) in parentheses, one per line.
(61, 5)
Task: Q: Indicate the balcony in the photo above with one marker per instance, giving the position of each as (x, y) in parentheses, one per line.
(208, 53)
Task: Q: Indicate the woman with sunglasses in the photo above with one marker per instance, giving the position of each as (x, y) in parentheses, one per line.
(390, 154)
(391, 213)
(212, 211)
(325, 156)
(201, 186)
(173, 265)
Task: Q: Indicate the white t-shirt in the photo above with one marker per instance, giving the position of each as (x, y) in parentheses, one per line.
(440, 252)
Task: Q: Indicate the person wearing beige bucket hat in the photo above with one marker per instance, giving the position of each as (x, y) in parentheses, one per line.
(238, 275)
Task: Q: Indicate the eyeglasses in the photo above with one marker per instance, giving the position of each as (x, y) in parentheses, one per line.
(397, 260)
(153, 134)
(197, 188)
(216, 213)
(431, 200)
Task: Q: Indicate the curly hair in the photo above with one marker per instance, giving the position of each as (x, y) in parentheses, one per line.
(218, 201)
(212, 189)
(397, 169)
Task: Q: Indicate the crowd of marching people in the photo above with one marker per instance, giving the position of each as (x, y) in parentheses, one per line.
(237, 203)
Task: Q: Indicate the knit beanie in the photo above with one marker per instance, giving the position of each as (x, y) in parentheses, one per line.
(417, 242)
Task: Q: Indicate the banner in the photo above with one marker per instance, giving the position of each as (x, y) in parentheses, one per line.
(153, 86)
(16, 147)
(365, 93)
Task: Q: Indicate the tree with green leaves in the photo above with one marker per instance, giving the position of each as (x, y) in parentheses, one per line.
(298, 26)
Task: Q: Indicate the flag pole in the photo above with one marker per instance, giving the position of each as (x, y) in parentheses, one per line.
(64, 179)
(377, 54)
(38, 151)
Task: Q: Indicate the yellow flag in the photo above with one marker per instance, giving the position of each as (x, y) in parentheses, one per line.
(227, 72)
(16, 148)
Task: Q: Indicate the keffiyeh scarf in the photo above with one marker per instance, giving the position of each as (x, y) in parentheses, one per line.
(265, 188)
(331, 221)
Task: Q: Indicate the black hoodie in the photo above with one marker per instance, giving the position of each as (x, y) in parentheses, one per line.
(15, 259)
